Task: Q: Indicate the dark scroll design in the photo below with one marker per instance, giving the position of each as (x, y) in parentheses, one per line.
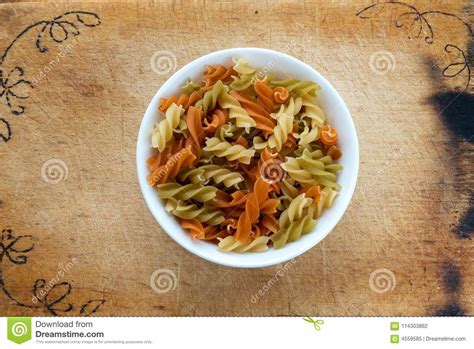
(14, 86)
(51, 295)
(419, 25)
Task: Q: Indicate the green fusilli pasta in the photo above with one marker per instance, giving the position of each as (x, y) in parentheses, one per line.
(298, 88)
(206, 214)
(210, 98)
(186, 192)
(294, 221)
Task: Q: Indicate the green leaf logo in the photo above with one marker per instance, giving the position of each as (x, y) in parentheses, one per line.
(19, 329)
(316, 323)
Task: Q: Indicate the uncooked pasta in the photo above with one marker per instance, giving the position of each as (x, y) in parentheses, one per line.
(243, 160)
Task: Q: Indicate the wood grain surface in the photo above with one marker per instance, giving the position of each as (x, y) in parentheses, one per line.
(68, 178)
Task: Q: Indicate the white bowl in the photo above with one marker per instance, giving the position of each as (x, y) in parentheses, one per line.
(284, 66)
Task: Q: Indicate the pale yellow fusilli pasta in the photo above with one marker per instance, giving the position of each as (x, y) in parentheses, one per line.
(228, 130)
(163, 132)
(312, 111)
(259, 143)
(288, 188)
(309, 134)
(242, 118)
(229, 243)
(246, 75)
(229, 151)
(221, 175)
(284, 126)
(327, 198)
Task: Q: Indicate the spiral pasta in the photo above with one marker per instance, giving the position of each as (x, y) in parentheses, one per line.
(191, 175)
(245, 76)
(159, 159)
(236, 112)
(310, 134)
(219, 73)
(183, 100)
(190, 86)
(204, 232)
(177, 191)
(255, 111)
(293, 231)
(294, 221)
(221, 175)
(313, 111)
(295, 210)
(171, 168)
(264, 94)
(229, 244)
(242, 67)
(212, 122)
(320, 167)
(227, 131)
(288, 188)
(196, 133)
(206, 214)
(328, 196)
(285, 117)
(163, 132)
(297, 88)
(210, 98)
(280, 94)
(313, 168)
(229, 151)
(243, 161)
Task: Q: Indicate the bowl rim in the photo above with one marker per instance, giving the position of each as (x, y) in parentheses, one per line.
(271, 260)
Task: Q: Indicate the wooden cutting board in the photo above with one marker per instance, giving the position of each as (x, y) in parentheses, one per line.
(78, 237)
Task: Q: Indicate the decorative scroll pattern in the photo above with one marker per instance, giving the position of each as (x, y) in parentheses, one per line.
(14, 86)
(419, 23)
(52, 296)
